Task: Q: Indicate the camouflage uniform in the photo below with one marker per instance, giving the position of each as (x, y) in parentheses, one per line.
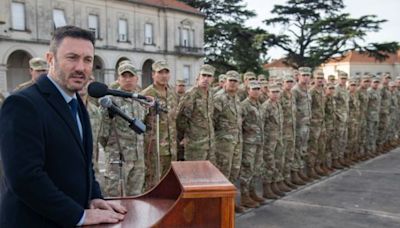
(374, 104)
(273, 147)
(35, 64)
(394, 115)
(330, 125)
(363, 98)
(123, 139)
(194, 123)
(353, 124)
(252, 156)
(228, 133)
(384, 116)
(167, 125)
(24, 85)
(341, 97)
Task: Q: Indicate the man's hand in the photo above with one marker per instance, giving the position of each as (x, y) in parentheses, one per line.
(97, 216)
(104, 205)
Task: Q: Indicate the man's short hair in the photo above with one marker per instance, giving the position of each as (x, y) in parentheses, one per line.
(69, 31)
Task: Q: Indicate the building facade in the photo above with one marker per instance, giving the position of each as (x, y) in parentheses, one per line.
(139, 31)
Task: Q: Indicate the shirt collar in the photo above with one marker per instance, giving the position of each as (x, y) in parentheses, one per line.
(66, 97)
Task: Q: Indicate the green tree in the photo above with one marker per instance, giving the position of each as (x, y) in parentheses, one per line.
(317, 30)
(228, 43)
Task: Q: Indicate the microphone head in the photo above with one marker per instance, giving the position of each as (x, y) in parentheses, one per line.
(105, 102)
(97, 89)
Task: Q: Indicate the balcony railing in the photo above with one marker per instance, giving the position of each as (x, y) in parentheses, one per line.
(189, 50)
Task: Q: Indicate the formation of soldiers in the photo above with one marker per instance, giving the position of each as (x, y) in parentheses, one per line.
(281, 133)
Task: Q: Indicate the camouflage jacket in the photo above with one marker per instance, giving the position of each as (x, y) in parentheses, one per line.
(341, 97)
(273, 121)
(24, 85)
(317, 105)
(252, 122)
(227, 117)
(385, 100)
(263, 98)
(167, 122)
(363, 98)
(354, 108)
(194, 120)
(394, 105)
(289, 114)
(329, 113)
(242, 92)
(374, 104)
(303, 105)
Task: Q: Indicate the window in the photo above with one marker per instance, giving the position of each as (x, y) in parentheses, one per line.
(186, 73)
(18, 15)
(185, 37)
(93, 24)
(148, 33)
(122, 30)
(59, 18)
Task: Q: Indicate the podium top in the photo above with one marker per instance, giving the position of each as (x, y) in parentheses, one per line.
(200, 176)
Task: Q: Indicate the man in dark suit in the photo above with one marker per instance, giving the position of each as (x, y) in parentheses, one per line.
(46, 145)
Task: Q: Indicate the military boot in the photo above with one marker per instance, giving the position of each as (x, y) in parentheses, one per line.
(283, 187)
(329, 167)
(255, 197)
(275, 189)
(296, 179)
(311, 173)
(318, 169)
(343, 162)
(336, 164)
(290, 184)
(304, 177)
(267, 191)
(326, 169)
(239, 209)
(246, 201)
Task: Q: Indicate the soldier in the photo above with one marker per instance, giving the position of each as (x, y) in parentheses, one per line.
(394, 115)
(261, 78)
(374, 105)
(221, 82)
(122, 146)
(37, 67)
(115, 84)
(248, 76)
(384, 116)
(228, 129)
(303, 115)
(180, 89)
(331, 79)
(330, 126)
(252, 155)
(264, 91)
(167, 125)
(363, 98)
(289, 127)
(353, 122)
(316, 142)
(194, 120)
(341, 97)
(274, 158)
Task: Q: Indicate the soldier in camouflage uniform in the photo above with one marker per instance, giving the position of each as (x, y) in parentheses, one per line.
(274, 158)
(194, 121)
(330, 126)
(316, 142)
(384, 115)
(363, 98)
(303, 115)
(394, 115)
(227, 119)
(121, 143)
(332, 79)
(180, 89)
(252, 155)
(248, 76)
(289, 128)
(353, 125)
(166, 96)
(374, 104)
(341, 97)
(37, 67)
(221, 82)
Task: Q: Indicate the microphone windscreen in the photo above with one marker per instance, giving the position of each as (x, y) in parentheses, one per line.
(97, 89)
(105, 102)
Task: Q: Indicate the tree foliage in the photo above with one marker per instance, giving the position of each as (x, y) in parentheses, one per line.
(317, 30)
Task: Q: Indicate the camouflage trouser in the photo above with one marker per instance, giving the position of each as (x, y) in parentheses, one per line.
(301, 145)
(372, 131)
(330, 146)
(151, 172)
(341, 139)
(362, 137)
(196, 153)
(288, 147)
(229, 158)
(352, 138)
(392, 133)
(132, 177)
(250, 170)
(383, 127)
(270, 169)
(316, 144)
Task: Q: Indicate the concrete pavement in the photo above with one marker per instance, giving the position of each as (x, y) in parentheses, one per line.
(366, 195)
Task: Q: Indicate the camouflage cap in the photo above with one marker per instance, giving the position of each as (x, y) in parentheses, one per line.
(261, 77)
(207, 69)
(180, 82)
(365, 77)
(318, 74)
(38, 64)
(249, 75)
(386, 75)
(254, 85)
(342, 74)
(221, 77)
(288, 77)
(160, 65)
(274, 87)
(375, 78)
(352, 81)
(392, 84)
(305, 71)
(232, 75)
(124, 62)
(279, 81)
(331, 77)
(330, 85)
(127, 67)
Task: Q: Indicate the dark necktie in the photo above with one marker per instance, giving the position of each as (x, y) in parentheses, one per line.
(74, 110)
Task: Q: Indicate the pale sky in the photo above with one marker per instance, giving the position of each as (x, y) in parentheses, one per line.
(384, 9)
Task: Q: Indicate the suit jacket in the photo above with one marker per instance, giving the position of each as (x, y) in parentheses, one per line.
(49, 178)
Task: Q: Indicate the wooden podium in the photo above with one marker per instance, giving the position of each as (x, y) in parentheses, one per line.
(192, 194)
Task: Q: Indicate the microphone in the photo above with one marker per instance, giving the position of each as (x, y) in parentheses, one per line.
(134, 124)
(98, 89)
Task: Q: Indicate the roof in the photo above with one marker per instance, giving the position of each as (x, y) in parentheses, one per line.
(357, 57)
(278, 63)
(169, 4)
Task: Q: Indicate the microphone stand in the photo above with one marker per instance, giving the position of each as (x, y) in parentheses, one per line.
(158, 110)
